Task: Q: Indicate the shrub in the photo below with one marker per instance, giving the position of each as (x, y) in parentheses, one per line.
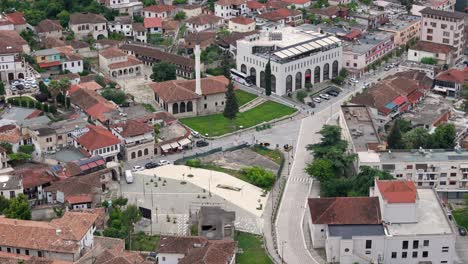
(259, 177)
(300, 95)
(196, 163)
(429, 60)
(28, 149)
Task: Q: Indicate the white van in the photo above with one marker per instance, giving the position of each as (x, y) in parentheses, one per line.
(128, 176)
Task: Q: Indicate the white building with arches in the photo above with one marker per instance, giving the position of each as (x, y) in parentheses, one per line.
(117, 64)
(297, 57)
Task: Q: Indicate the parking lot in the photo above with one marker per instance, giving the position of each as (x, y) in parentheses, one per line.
(22, 86)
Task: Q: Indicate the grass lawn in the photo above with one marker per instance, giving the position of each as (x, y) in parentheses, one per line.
(144, 242)
(461, 216)
(252, 247)
(217, 125)
(275, 154)
(243, 97)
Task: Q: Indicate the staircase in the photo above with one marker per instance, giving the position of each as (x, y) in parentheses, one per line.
(255, 102)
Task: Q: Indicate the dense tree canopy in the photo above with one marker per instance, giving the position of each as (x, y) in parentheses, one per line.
(18, 208)
(163, 71)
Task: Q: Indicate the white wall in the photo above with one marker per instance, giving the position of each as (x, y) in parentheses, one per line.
(169, 258)
(73, 66)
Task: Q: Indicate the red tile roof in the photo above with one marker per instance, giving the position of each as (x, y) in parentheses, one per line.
(152, 22)
(397, 191)
(97, 137)
(353, 34)
(414, 96)
(17, 18)
(48, 25)
(133, 128)
(297, 2)
(112, 53)
(79, 199)
(230, 2)
(204, 19)
(242, 20)
(131, 61)
(454, 75)
(255, 5)
(399, 100)
(159, 8)
(433, 47)
(49, 64)
(345, 210)
(279, 14)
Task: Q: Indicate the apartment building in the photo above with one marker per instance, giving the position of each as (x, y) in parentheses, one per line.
(444, 27)
(397, 224)
(122, 25)
(228, 9)
(404, 28)
(297, 57)
(88, 24)
(358, 55)
(446, 171)
(99, 141)
(137, 139)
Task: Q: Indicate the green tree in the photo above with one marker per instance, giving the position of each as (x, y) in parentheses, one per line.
(231, 107)
(114, 95)
(57, 87)
(29, 37)
(321, 169)
(45, 108)
(395, 138)
(416, 138)
(321, 3)
(361, 183)
(116, 36)
(120, 201)
(163, 71)
(335, 187)
(301, 95)
(2, 89)
(100, 80)
(268, 77)
(68, 102)
(34, 16)
(7, 146)
(149, 2)
(259, 177)
(226, 65)
(429, 60)
(18, 208)
(180, 15)
(59, 211)
(444, 136)
(19, 157)
(28, 149)
(211, 5)
(63, 17)
(4, 203)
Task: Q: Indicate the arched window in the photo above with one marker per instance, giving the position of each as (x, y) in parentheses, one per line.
(133, 155)
(317, 74)
(289, 84)
(244, 68)
(146, 151)
(298, 80)
(308, 76)
(253, 73)
(335, 69)
(182, 107)
(189, 106)
(273, 83)
(140, 153)
(262, 79)
(175, 108)
(326, 71)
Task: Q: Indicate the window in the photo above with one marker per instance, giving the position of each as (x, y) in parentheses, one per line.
(442, 183)
(443, 26)
(425, 254)
(429, 31)
(346, 250)
(405, 245)
(163, 258)
(445, 249)
(12, 194)
(404, 254)
(206, 106)
(446, 34)
(453, 174)
(393, 254)
(368, 244)
(39, 254)
(26, 251)
(415, 254)
(18, 251)
(409, 167)
(429, 38)
(415, 244)
(445, 41)
(426, 243)
(8, 250)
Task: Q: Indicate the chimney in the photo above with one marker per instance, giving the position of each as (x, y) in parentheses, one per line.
(197, 69)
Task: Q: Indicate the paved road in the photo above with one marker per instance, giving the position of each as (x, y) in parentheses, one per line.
(289, 225)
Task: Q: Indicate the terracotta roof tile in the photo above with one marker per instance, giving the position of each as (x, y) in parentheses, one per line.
(17, 18)
(454, 75)
(255, 5)
(345, 210)
(152, 22)
(97, 137)
(159, 55)
(397, 191)
(48, 25)
(433, 47)
(296, 2)
(203, 19)
(84, 18)
(131, 61)
(112, 53)
(133, 128)
(242, 20)
(79, 199)
(159, 8)
(230, 2)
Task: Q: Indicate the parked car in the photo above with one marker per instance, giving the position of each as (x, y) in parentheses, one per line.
(164, 162)
(462, 231)
(387, 68)
(128, 176)
(317, 100)
(137, 168)
(332, 93)
(151, 165)
(324, 96)
(202, 143)
(392, 65)
(195, 134)
(352, 80)
(311, 104)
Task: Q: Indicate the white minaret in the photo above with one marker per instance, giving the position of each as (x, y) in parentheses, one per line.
(197, 69)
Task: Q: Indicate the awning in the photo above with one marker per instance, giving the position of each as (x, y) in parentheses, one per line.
(184, 142)
(440, 89)
(399, 100)
(174, 145)
(463, 166)
(390, 105)
(166, 147)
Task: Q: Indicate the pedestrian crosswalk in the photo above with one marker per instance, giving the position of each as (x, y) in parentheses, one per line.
(300, 179)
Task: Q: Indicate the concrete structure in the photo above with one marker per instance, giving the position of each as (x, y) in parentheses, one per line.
(122, 25)
(203, 22)
(88, 24)
(10, 186)
(62, 239)
(191, 10)
(444, 27)
(130, 7)
(442, 53)
(59, 59)
(451, 82)
(137, 139)
(297, 57)
(215, 223)
(49, 28)
(139, 32)
(404, 29)
(241, 24)
(365, 51)
(99, 141)
(116, 64)
(396, 224)
(228, 9)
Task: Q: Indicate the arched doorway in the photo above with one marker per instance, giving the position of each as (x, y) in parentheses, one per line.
(175, 108)
(308, 76)
(317, 74)
(140, 153)
(289, 84)
(243, 68)
(182, 107)
(189, 106)
(298, 81)
(326, 71)
(146, 152)
(253, 73)
(11, 76)
(20, 75)
(133, 155)
(273, 83)
(262, 79)
(335, 69)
